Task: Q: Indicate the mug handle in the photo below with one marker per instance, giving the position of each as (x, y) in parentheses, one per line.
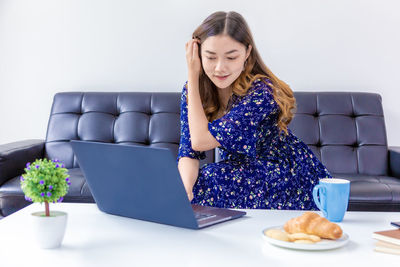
(321, 190)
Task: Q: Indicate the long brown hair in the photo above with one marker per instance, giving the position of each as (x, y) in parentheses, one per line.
(234, 25)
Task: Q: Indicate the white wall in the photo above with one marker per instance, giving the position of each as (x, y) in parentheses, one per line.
(47, 46)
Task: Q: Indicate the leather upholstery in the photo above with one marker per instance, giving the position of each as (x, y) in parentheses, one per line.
(347, 133)
(394, 156)
(14, 156)
(148, 119)
(345, 130)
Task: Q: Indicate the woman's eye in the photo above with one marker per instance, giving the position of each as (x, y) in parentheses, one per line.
(211, 58)
(232, 58)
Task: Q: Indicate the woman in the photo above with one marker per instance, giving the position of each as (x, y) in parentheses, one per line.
(234, 102)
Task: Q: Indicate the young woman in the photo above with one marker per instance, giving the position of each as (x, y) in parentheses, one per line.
(234, 102)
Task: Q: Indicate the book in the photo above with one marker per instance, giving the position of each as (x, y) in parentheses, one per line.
(390, 236)
(385, 247)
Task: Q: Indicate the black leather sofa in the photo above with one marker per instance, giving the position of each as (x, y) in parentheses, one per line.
(345, 130)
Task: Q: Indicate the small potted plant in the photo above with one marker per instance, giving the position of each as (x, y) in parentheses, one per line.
(46, 181)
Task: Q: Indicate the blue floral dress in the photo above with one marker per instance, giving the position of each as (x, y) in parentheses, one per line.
(261, 168)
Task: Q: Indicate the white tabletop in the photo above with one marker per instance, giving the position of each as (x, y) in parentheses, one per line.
(94, 238)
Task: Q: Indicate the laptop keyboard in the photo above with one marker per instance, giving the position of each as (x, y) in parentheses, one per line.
(202, 216)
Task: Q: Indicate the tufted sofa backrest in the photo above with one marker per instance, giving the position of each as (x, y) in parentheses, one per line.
(345, 130)
(136, 118)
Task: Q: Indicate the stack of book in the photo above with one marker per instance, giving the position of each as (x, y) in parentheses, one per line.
(388, 241)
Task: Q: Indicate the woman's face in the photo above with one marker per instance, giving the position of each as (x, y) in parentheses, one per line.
(223, 59)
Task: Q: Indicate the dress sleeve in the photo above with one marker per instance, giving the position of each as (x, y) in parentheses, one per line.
(185, 145)
(237, 130)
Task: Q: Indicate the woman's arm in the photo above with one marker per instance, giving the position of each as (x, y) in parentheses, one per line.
(202, 139)
(189, 170)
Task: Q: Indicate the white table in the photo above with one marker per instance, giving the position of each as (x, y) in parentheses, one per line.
(96, 239)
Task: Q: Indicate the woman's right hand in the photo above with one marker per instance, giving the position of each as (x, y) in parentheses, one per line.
(189, 170)
(190, 196)
(192, 58)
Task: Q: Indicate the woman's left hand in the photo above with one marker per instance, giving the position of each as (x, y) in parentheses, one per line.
(192, 57)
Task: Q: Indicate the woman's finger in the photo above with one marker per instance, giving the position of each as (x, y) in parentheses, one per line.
(188, 49)
(189, 46)
(194, 50)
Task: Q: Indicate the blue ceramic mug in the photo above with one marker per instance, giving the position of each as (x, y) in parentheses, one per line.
(331, 196)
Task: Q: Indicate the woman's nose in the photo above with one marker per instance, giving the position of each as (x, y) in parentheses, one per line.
(220, 66)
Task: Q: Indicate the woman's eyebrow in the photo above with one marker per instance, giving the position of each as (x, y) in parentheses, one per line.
(229, 52)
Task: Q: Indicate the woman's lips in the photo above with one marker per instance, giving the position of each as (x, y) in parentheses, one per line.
(221, 78)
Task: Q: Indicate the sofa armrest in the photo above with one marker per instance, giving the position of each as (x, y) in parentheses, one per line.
(394, 161)
(14, 156)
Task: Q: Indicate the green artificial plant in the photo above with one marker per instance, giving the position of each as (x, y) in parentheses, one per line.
(45, 181)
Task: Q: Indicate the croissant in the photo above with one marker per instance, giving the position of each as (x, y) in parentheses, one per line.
(313, 224)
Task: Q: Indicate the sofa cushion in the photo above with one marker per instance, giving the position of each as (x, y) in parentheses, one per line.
(78, 190)
(369, 192)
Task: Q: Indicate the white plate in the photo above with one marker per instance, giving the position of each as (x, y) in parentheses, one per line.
(324, 244)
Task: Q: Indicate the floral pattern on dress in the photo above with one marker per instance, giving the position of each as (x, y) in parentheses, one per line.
(261, 167)
(185, 144)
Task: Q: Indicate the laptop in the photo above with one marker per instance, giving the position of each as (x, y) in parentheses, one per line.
(142, 183)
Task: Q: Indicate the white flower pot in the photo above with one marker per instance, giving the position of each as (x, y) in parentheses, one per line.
(49, 230)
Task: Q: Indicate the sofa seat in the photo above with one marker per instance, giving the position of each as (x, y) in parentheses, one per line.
(386, 192)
